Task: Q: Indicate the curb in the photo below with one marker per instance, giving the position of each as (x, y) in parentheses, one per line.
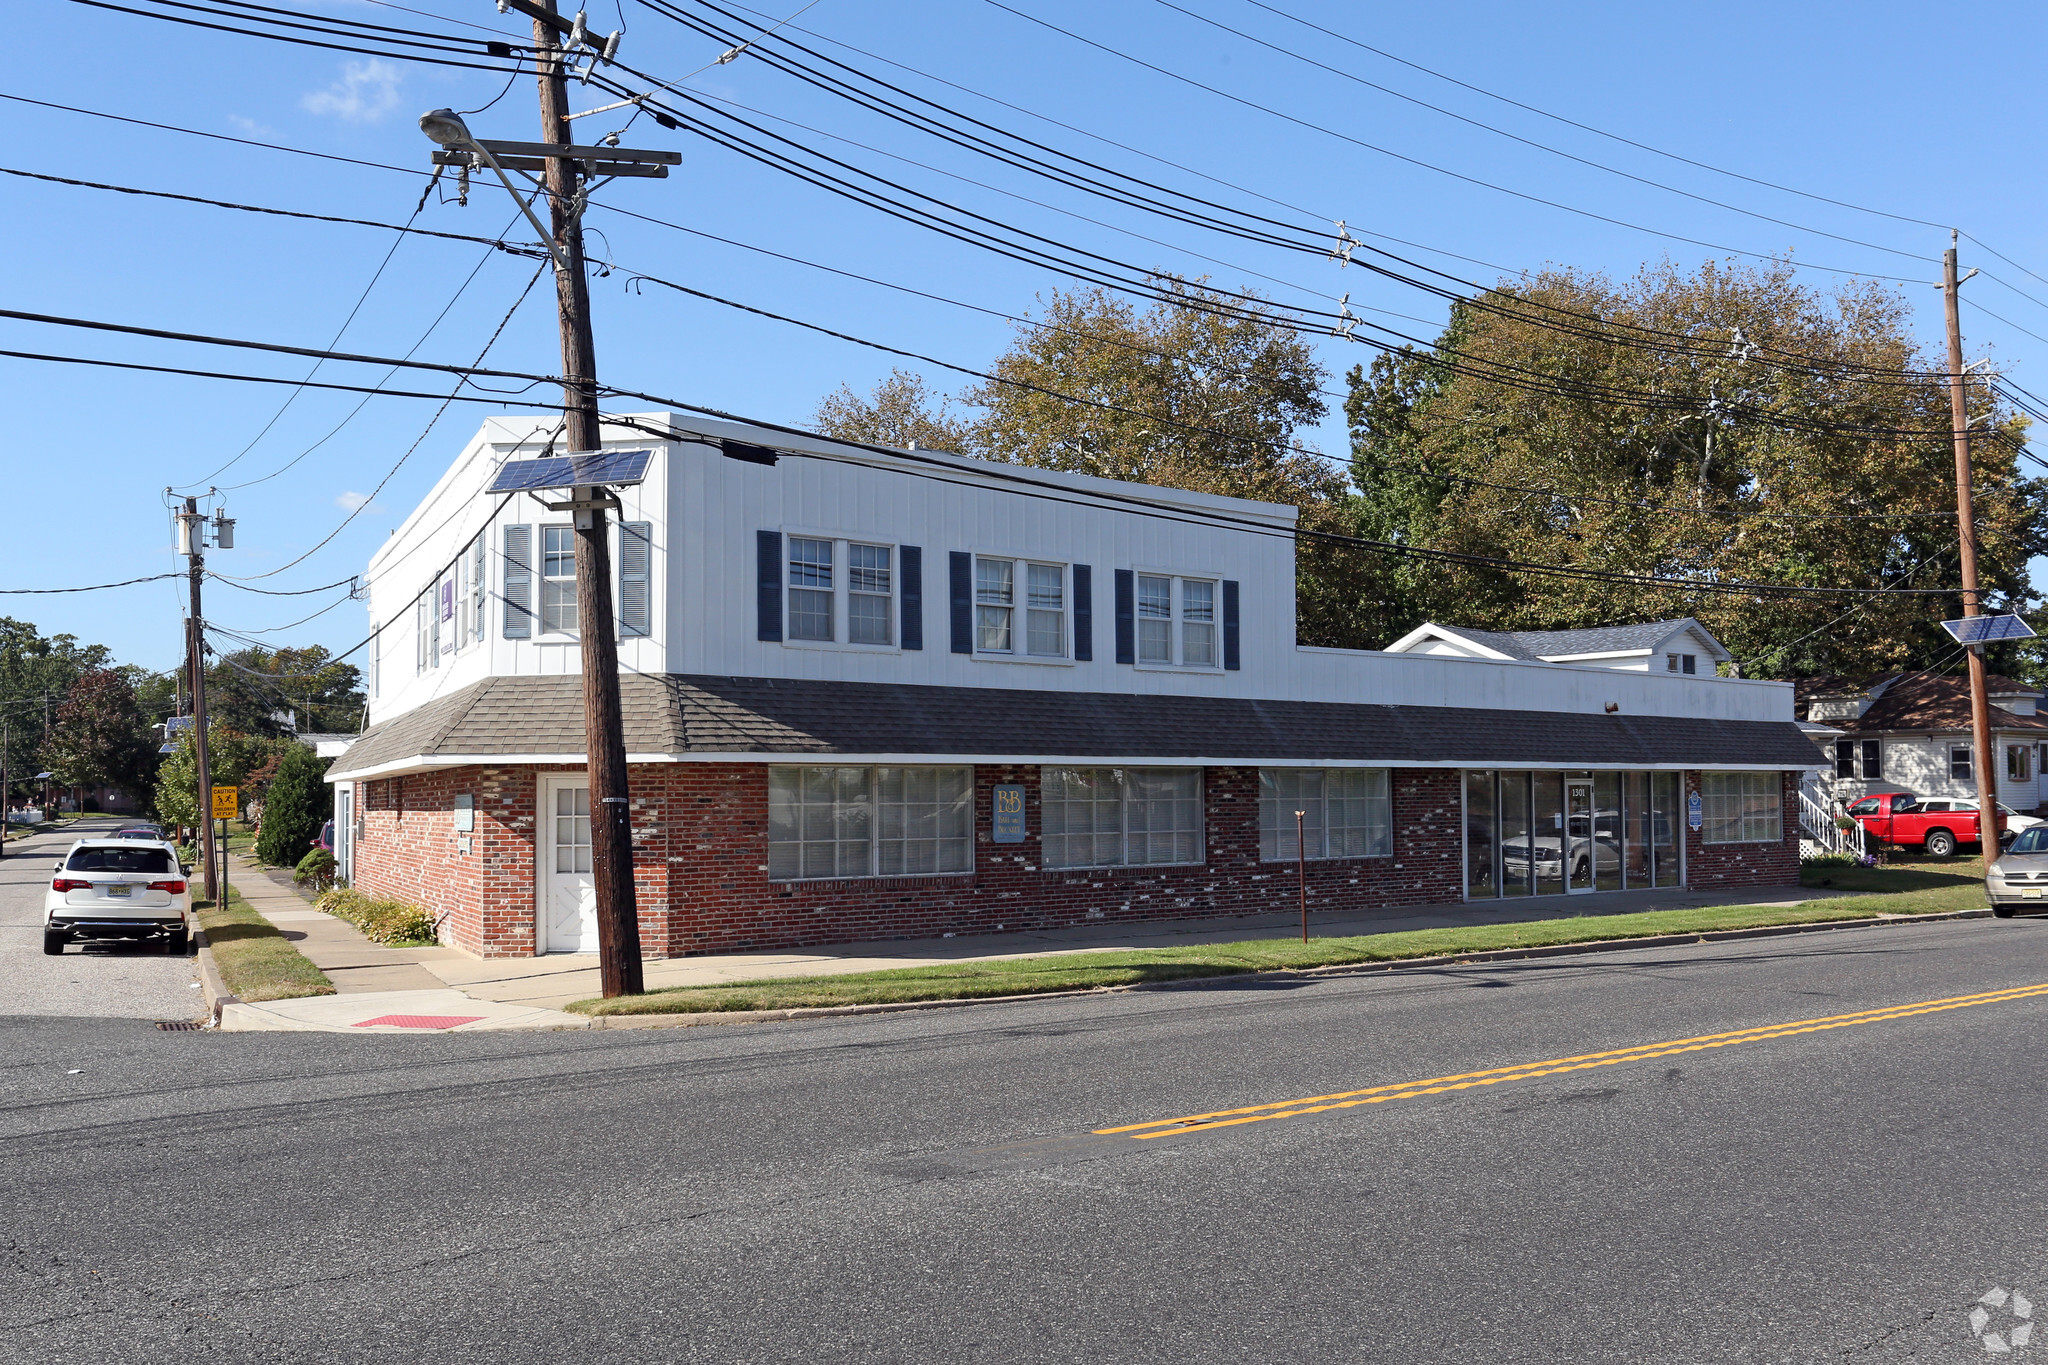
(1612, 945)
(218, 997)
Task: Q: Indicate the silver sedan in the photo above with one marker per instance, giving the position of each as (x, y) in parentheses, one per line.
(2020, 873)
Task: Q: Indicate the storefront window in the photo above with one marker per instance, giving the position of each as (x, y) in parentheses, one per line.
(1524, 836)
(1481, 837)
(1517, 868)
(1607, 831)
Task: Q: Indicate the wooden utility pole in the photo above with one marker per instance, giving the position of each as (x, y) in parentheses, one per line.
(195, 660)
(611, 829)
(1966, 540)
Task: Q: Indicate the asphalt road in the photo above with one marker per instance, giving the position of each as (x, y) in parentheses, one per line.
(107, 980)
(924, 1187)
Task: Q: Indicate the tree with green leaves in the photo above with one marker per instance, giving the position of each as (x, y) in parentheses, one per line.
(903, 411)
(1719, 423)
(35, 673)
(231, 757)
(250, 689)
(294, 807)
(1204, 390)
(99, 737)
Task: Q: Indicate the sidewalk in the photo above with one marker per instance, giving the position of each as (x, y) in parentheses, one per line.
(384, 989)
(378, 989)
(553, 981)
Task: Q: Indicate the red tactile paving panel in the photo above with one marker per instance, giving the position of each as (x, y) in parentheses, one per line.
(419, 1020)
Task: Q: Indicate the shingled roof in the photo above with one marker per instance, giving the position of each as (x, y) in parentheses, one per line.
(1539, 645)
(1917, 702)
(540, 719)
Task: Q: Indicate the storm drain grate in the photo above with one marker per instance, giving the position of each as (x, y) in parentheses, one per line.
(179, 1025)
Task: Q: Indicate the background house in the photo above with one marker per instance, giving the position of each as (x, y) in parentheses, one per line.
(1911, 733)
(1683, 646)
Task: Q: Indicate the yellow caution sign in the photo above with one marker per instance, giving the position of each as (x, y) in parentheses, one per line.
(226, 802)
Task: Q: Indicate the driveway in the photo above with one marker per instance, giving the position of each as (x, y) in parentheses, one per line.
(103, 980)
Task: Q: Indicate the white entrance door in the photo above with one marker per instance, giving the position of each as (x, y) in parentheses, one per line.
(568, 909)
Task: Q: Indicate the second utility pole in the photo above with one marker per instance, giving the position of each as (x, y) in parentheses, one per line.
(611, 828)
(1966, 541)
(194, 540)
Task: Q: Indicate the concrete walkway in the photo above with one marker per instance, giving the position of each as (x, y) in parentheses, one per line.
(378, 989)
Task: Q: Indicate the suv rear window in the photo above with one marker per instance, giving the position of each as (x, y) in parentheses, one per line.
(121, 860)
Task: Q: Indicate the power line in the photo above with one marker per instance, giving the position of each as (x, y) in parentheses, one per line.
(1415, 161)
(350, 416)
(1529, 142)
(96, 587)
(218, 137)
(355, 47)
(348, 582)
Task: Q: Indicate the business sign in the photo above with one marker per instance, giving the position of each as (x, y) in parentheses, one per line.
(1695, 812)
(224, 802)
(1007, 814)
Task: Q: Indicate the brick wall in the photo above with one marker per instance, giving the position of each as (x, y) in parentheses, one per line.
(700, 831)
(700, 834)
(1713, 866)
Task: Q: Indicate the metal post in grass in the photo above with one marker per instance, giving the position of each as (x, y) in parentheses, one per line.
(1301, 868)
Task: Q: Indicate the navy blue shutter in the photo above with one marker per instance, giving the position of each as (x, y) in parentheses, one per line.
(1230, 623)
(1084, 612)
(960, 579)
(768, 581)
(1126, 617)
(912, 595)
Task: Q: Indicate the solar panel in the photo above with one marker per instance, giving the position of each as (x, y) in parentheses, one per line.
(614, 467)
(1981, 630)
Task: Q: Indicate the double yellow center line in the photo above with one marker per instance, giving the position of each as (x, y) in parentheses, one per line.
(1467, 1080)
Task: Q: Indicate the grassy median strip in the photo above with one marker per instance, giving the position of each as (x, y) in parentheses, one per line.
(1922, 888)
(256, 961)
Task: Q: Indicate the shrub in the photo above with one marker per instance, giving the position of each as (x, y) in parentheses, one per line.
(316, 870)
(294, 807)
(381, 921)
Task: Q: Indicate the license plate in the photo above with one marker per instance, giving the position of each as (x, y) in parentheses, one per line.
(2032, 893)
(119, 890)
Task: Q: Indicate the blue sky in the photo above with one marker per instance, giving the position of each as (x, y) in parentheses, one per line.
(1875, 105)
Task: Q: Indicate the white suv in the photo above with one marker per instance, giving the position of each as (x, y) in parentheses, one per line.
(118, 888)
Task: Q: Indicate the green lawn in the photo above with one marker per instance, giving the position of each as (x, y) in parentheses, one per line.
(256, 961)
(1907, 889)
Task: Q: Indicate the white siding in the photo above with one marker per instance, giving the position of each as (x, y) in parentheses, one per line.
(705, 511)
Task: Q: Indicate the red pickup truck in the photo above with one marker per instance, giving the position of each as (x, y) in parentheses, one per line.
(1936, 825)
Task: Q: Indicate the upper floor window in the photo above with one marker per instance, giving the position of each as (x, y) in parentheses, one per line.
(810, 590)
(1176, 621)
(1681, 663)
(1020, 607)
(833, 580)
(557, 580)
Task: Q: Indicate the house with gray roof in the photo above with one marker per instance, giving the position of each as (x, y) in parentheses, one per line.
(1683, 646)
(878, 694)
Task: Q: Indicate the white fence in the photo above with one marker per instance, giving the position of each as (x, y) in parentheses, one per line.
(1818, 832)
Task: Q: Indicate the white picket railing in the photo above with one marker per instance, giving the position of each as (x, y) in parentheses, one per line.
(1818, 832)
